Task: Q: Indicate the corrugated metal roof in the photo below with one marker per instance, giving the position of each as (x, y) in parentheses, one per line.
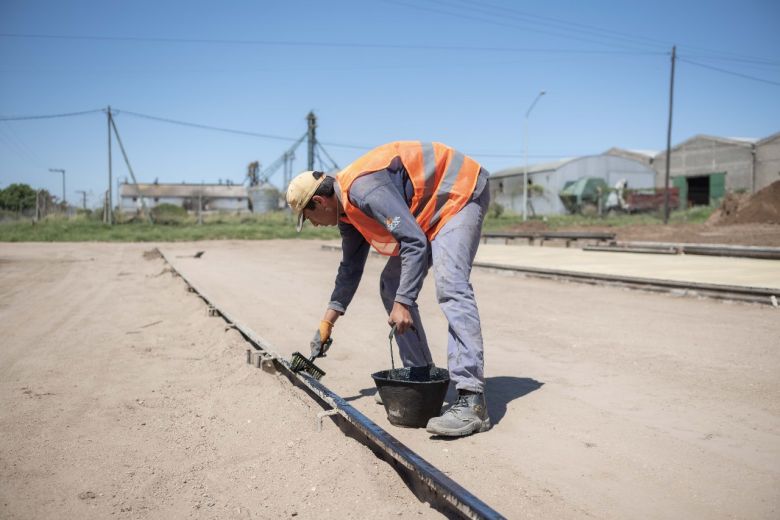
(769, 138)
(751, 140)
(703, 137)
(645, 153)
(532, 168)
(183, 190)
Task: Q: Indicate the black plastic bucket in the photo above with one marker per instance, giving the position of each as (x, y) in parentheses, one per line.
(412, 395)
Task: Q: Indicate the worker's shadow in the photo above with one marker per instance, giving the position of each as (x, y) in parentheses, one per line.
(363, 392)
(499, 392)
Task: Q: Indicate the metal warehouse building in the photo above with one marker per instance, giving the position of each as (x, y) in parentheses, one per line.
(548, 179)
(705, 167)
(767, 161)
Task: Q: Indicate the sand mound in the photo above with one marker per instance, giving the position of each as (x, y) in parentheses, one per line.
(762, 207)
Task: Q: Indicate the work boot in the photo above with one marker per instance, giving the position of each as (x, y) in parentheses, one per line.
(468, 415)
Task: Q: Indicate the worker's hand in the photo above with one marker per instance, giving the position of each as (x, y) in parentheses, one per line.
(321, 342)
(401, 318)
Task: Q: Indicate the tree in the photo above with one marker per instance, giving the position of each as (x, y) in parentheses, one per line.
(17, 197)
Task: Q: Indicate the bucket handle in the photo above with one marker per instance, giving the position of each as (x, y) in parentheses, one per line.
(390, 338)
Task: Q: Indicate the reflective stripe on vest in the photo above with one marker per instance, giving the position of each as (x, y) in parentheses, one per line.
(443, 181)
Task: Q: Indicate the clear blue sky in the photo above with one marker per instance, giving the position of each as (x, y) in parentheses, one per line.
(463, 73)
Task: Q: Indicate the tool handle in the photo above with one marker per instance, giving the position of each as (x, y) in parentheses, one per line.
(325, 346)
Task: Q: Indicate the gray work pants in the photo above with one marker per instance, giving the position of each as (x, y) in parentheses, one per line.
(451, 255)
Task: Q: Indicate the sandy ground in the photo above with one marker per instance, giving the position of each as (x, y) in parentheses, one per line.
(120, 396)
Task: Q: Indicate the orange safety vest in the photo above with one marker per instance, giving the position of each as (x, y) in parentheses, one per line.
(443, 181)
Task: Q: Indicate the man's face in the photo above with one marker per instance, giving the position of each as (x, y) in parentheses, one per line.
(321, 215)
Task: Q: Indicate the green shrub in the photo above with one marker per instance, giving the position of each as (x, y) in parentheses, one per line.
(169, 214)
(495, 210)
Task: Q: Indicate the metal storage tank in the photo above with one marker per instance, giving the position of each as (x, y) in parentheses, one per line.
(265, 198)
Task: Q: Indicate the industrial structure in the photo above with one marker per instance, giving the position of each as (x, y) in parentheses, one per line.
(705, 167)
(545, 181)
(644, 156)
(207, 197)
(702, 169)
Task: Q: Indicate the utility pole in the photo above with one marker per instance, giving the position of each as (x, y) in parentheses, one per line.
(83, 198)
(525, 171)
(312, 138)
(145, 210)
(200, 204)
(64, 201)
(109, 213)
(669, 138)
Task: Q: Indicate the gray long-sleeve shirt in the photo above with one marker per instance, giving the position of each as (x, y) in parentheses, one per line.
(386, 196)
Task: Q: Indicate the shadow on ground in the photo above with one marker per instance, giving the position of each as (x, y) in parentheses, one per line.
(502, 390)
(364, 392)
(499, 391)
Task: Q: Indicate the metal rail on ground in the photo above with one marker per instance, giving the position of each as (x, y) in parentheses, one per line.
(425, 480)
(761, 295)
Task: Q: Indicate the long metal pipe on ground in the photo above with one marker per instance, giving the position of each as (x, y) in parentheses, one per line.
(427, 482)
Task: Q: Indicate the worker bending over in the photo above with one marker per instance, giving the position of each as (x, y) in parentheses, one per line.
(421, 204)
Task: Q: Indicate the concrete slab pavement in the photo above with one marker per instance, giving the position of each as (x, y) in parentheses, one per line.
(745, 272)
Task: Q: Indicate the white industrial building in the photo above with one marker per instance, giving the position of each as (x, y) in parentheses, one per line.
(211, 197)
(704, 168)
(548, 179)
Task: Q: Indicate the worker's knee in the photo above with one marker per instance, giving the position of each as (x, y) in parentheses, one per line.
(450, 287)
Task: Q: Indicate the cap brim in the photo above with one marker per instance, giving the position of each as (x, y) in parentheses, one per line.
(299, 225)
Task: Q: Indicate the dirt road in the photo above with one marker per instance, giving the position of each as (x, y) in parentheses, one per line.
(607, 403)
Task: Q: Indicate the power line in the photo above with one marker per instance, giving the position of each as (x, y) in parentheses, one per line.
(343, 145)
(502, 21)
(51, 116)
(206, 127)
(554, 23)
(748, 61)
(500, 16)
(7, 134)
(730, 72)
(322, 44)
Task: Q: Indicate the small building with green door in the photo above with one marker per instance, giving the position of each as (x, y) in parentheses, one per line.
(705, 167)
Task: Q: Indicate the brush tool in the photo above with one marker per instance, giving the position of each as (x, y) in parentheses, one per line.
(301, 363)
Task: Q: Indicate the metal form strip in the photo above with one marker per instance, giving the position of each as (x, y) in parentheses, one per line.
(444, 493)
(766, 253)
(763, 295)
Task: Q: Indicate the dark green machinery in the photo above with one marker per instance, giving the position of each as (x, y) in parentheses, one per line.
(583, 195)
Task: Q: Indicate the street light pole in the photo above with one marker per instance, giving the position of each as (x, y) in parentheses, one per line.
(525, 171)
(60, 170)
(83, 199)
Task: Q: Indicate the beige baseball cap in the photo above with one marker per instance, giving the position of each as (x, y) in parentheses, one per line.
(300, 191)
